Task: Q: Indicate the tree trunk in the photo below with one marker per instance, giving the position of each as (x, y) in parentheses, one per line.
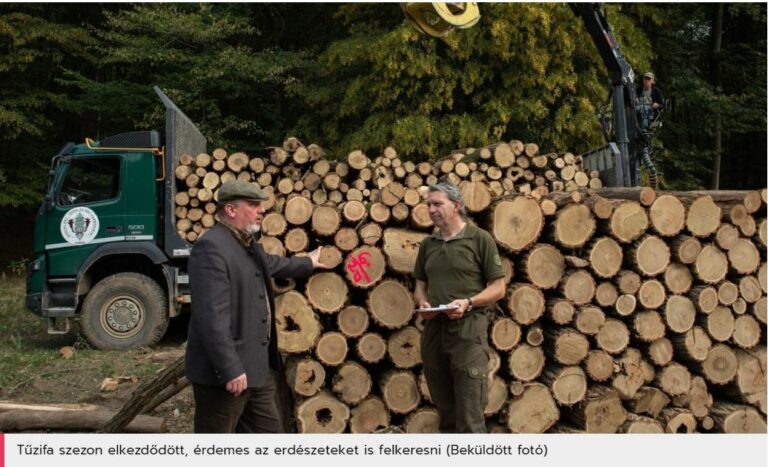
(305, 376)
(322, 413)
(331, 349)
(352, 383)
(600, 412)
(714, 69)
(399, 391)
(371, 347)
(352, 321)
(297, 326)
(369, 416)
(391, 304)
(535, 411)
(327, 292)
(89, 420)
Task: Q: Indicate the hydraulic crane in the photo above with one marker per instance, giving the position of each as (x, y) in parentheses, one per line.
(617, 160)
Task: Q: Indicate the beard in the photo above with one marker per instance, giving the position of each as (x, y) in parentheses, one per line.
(253, 229)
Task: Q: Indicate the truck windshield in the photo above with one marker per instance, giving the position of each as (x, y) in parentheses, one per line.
(90, 181)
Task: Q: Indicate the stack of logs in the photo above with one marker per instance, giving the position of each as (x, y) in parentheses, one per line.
(497, 170)
(630, 310)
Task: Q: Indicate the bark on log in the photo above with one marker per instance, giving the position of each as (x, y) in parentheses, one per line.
(365, 266)
(525, 303)
(326, 221)
(568, 384)
(322, 413)
(628, 222)
(605, 257)
(535, 411)
(352, 383)
(352, 321)
(613, 337)
(516, 224)
(305, 376)
(142, 395)
(497, 395)
(327, 292)
(734, 418)
(544, 266)
(89, 420)
(331, 349)
(599, 365)
(404, 347)
(505, 334)
(371, 347)
(369, 416)
(391, 304)
(399, 391)
(703, 217)
(574, 226)
(649, 400)
(423, 420)
(600, 412)
(297, 326)
(400, 248)
(526, 362)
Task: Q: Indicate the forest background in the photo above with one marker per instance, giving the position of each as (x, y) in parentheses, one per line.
(357, 76)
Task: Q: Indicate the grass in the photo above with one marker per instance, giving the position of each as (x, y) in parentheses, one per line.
(33, 371)
(27, 350)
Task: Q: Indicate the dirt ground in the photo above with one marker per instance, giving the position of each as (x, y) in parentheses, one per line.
(33, 371)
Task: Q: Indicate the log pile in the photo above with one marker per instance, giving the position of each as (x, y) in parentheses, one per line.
(627, 310)
(394, 186)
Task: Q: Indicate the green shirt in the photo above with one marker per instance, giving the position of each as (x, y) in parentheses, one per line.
(458, 268)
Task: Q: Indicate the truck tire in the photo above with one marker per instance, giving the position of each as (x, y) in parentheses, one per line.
(124, 311)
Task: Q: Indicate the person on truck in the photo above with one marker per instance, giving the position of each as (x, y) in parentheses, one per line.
(232, 358)
(650, 102)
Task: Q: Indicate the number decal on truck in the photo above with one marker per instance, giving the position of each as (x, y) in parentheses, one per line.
(79, 225)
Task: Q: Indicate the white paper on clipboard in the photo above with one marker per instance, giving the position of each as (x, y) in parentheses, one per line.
(441, 308)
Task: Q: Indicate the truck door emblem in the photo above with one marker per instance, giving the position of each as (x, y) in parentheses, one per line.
(79, 225)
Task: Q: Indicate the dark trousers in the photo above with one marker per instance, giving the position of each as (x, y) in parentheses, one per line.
(253, 411)
(455, 359)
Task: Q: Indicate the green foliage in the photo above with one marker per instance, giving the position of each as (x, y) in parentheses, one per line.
(35, 47)
(520, 73)
(357, 76)
(18, 267)
(684, 65)
(200, 55)
(32, 47)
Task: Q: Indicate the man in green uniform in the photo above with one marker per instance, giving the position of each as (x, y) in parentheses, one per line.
(458, 266)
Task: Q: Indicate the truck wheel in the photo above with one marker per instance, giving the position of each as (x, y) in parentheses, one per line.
(124, 311)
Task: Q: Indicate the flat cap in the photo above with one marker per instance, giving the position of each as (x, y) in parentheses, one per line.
(238, 189)
(648, 74)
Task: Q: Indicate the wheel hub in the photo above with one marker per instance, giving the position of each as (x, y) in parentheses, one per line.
(123, 316)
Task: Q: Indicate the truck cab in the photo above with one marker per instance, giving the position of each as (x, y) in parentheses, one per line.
(105, 245)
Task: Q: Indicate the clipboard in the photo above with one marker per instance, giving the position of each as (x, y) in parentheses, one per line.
(441, 308)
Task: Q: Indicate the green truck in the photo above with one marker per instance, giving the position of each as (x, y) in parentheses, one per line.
(105, 242)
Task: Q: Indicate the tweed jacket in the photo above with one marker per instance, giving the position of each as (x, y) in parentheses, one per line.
(230, 330)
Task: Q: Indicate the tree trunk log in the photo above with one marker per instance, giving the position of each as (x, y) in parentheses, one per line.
(322, 413)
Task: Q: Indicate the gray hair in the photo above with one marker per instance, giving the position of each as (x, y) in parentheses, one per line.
(452, 192)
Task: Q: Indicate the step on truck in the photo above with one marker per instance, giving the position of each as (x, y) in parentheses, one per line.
(106, 248)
